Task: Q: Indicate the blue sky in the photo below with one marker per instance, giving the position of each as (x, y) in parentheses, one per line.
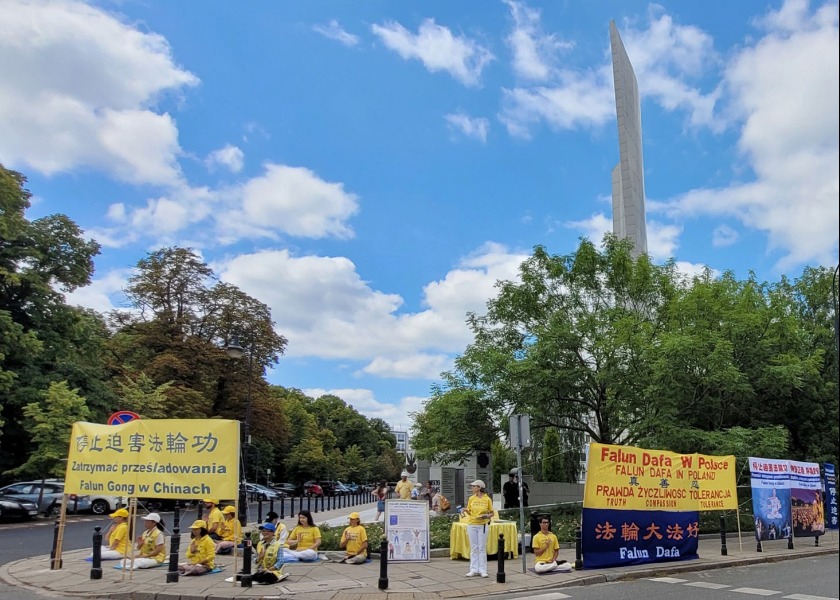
(370, 169)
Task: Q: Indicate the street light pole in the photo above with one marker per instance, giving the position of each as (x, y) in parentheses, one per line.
(236, 352)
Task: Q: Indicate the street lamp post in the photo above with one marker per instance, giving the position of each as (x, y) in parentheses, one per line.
(236, 352)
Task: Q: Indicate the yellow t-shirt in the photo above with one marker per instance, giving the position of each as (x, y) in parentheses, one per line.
(230, 530)
(119, 535)
(356, 536)
(215, 518)
(403, 489)
(205, 552)
(308, 535)
(538, 542)
(478, 506)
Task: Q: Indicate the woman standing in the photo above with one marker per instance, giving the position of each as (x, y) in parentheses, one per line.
(304, 538)
(151, 546)
(380, 493)
(478, 513)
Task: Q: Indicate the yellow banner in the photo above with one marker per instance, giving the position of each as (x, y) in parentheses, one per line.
(623, 477)
(163, 458)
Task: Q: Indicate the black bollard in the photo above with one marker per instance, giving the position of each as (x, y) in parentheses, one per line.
(816, 543)
(244, 576)
(201, 511)
(500, 559)
(722, 535)
(259, 509)
(55, 563)
(758, 546)
(96, 569)
(383, 564)
(790, 541)
(578, 548)
(309, 504)
(174, 544)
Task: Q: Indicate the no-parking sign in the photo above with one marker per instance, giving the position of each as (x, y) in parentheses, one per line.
(122, 416)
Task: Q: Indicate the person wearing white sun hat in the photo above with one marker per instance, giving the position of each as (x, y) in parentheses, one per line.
(478, 513)
(151, 545)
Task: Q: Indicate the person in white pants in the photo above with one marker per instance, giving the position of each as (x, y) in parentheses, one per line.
(546, 547)
(478, 513)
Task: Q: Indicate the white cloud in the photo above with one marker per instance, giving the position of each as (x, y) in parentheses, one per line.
(416, 366)
(580, 100)
(788, 138)
(229, 157)
(296, 201)
(594, 228)
(100, 294)
(363, 400)
(662, 240)
(78, 90)
(473, 127)
(326, 310)
(534, 52)
(334, 31)
(438, 50)
(724, 235)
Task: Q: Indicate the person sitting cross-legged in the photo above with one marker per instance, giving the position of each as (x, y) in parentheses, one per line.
(269, 557)
(201, 553)
(354, 540)
(546, 547)
(230, 530)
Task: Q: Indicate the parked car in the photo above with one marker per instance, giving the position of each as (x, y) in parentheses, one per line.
(100, 504)
(255, 490)
(310, 488)
(50, 500)
(13, 507)
(329, 487)
(342, 489)
(353, 487)
(285, 489)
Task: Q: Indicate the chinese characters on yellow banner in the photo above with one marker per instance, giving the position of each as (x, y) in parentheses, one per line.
(165, 458)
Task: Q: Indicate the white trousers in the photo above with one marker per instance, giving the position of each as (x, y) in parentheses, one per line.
(140, 563)
(545, 567)
(478, 548)
(301, 554)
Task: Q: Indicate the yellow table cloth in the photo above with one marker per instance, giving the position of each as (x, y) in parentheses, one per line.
(459, 541)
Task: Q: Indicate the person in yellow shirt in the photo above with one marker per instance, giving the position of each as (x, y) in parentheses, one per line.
(305, 538)
(119, 536)
(404, 486)
(201, 553)
(477, 515)
(230, 530)
(546, 547)
(354, 539)
(214, 518)
(151, 548)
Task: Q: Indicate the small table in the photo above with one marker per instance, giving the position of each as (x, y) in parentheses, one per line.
(459, 541)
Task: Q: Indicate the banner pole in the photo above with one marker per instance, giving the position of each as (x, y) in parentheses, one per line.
(738, 519)
(235, 543)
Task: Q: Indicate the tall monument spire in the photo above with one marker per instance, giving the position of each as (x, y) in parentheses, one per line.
(628, 176)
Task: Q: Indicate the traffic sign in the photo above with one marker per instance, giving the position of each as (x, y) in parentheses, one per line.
(122, 416)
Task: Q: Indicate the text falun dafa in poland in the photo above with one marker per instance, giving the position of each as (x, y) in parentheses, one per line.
(162, 458)
(623, 477)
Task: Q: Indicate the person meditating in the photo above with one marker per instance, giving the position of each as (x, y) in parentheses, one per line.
(201, 553)
(354, 540)
(546, 548)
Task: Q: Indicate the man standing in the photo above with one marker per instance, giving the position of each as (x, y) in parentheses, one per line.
(404, 486)
(546, 547)
(510, 491)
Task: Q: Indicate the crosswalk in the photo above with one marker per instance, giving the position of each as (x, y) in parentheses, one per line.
(746, 591)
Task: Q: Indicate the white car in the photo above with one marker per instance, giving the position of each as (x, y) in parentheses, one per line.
(99, 504)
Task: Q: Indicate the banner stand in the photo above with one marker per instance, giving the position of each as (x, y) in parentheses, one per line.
(738, 520)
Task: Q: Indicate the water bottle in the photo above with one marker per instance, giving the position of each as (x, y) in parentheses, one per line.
(458, 509)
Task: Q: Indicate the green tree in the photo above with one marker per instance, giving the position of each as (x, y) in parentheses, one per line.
(42, 339)
(50, 424)
(552, 459)
(143, 396)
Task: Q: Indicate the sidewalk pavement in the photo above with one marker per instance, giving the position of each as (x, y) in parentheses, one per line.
(441, 577)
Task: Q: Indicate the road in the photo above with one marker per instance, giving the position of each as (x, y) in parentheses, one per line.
(800, 579)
